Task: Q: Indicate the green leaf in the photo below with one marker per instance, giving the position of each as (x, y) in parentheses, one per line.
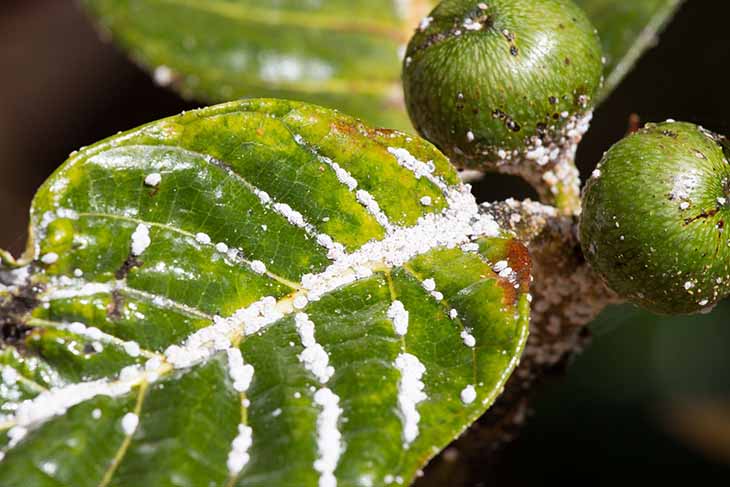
(343, 54)
(627, 29)
(256, 293)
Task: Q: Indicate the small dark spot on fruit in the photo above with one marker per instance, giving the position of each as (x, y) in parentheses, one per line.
(553, 100)
(669, 133)
(513, 50)
(567, 61)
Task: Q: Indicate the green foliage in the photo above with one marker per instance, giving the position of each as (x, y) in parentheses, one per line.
(654, 217)
(353, 334)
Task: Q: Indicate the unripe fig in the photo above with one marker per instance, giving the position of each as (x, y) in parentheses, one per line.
(654, 218)
(492, 81)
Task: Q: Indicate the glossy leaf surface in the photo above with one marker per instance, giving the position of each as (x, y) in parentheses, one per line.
(256, 293)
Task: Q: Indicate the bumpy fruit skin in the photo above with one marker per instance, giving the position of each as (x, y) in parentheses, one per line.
(485, 79)
(654, 218)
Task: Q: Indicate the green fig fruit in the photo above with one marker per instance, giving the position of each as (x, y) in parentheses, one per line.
(494, 81)
(654, 218)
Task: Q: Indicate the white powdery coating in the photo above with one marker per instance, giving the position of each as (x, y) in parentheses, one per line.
(344, 176)
(297, 219)
(453, 313)
(222, 247)
(418, 168)
(205, 342)
(329, 438)
(130, 421)
(140, 239)
(238, 457)
(470, 247)
(429, 285)
(202, 238)
(50, 258)
(16, 435)
(163, 75)
(410, 393)
(132, 348)
(314, 358)
(468, 338)
(258, 267)
(426, 201)
(425, 22)
(300, 301)
(263, 196)
(501, 266)
(336, 250)
(367, 200)
(153, 179)
(399, 316)
(468, 394)
(78, 289)
(240, 373)
(292, 216)
(9, 375)
(454, 226)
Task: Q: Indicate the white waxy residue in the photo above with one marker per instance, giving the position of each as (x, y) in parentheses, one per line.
(410, 393)
(153, 179)
(329, 438)
(202, 238)
(468, 339)
(367, 200)
(140, 239)
(163, 75)
(130, 421)
(468, 394)
(314, 357)
(399, 316)
(258, 267)
(50, 258)
(238, 457)
(240, 373)
(418, 168)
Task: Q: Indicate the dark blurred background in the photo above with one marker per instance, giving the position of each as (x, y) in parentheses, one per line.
(649, 399)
